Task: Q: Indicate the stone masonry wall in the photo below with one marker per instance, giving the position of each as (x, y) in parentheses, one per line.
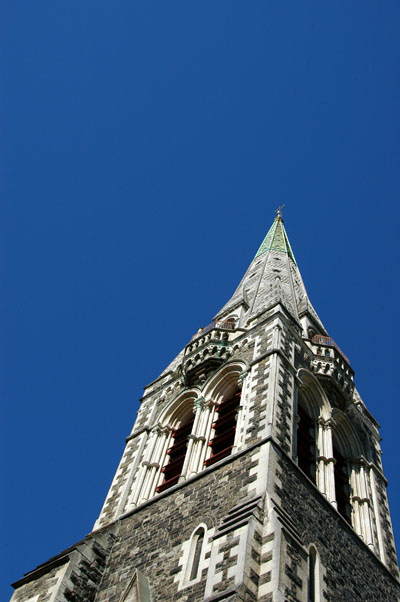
(267, 407)
(352, 572)
(44, 586)
(74, 576)
(152, 538)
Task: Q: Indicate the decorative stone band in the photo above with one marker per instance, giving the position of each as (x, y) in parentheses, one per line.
(160, 429)
(195, 438)
(200, 403)
(361, 500)
(326, 460)
(326, 423)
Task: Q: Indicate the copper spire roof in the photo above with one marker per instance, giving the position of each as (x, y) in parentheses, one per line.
(272, 277)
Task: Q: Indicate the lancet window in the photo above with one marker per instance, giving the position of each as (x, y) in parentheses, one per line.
(195, 431)
(306, 442)
(224, 428)
(328, 451)
(175, 455)
(195, 553)
(342, 485)
(313, 576)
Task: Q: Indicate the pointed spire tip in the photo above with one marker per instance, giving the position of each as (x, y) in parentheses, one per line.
(279, 212)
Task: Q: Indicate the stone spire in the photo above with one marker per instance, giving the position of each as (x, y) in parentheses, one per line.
(273, 277)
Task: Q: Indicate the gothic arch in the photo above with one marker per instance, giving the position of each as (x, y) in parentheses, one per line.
(222, 395)
(313, 396)
(345, 436)
(314, 580)
(312, 437)
(179, 419)
(179, 409)
(224, 382)
(350, 478)
(195, 552)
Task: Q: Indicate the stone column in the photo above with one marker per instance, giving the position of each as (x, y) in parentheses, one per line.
(360, 500)
(325, 461)
(152, 463)
(203, 433)
(189, 465)
(239, 416)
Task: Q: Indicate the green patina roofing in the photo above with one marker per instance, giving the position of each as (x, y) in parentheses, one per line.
(276, 240)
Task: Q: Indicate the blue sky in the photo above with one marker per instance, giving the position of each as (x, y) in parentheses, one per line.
(145, 147)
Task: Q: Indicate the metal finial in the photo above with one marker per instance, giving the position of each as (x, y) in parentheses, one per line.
(279, 211)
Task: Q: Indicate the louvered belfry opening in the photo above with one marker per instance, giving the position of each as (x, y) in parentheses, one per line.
(176, 456)
(306, 448)
(342, 488)
(224, 429)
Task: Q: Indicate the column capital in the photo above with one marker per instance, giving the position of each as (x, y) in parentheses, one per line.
(361, 461)
(160, 429)
(326, 460)
(361, 500)
(150, 464)
(196, 438)
(243, 375)
(198, 403)
(325, 423)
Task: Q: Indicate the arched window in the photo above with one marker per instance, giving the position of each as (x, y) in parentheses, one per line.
(313, 576)
(176, 455)
(194, 559)
(306, 445)
(230, 323)
(342, 485)
(313, 448)
(224, 429)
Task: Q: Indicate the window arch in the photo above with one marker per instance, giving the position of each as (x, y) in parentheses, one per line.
(195, 553)
(149, 477)
(230, 322)
(345, 449)
(224, 428)
(311, 445)
(224, 392)
(196, 429)
(176, 452)
(306, 440)
(329, 451)
(342, 485)
(314, 587)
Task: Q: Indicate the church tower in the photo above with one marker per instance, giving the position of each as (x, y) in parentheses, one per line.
(252, 473)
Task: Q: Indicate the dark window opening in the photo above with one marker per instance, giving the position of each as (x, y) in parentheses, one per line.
(224, 429)
(197, 553)
(342, 488)
(312, 567)
(306, 447)
(176, 456)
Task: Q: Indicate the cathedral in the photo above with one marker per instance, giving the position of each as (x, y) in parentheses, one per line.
(252, 473)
